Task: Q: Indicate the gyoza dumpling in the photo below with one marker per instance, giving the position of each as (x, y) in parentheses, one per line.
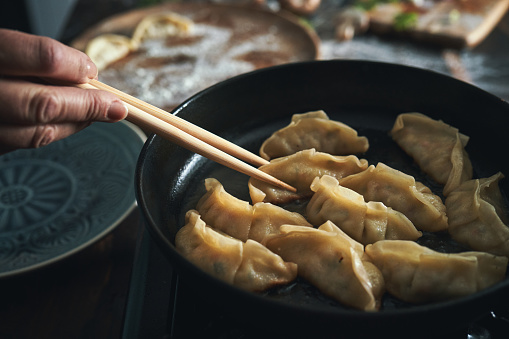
(161, 25)
(417, 274)
(213, 252)
(238, 218)
(438, 148)
(401, 192)
(299, 170)
(313, 130)
(478, 217)
(222, 211)
(332, 262)
(364, 222)
(248, 265)
(105, 49)
(268, 218)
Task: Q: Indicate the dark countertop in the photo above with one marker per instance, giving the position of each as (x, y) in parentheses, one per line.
(85, 295)
(82, 296)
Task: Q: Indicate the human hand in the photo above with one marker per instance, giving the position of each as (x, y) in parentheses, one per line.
(37, 104)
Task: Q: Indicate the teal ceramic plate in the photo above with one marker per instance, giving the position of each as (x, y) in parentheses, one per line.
(57, 200)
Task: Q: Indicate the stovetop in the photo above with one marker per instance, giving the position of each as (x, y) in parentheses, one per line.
(159, 306)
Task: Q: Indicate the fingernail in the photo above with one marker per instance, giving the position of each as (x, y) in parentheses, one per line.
(47, 136)
(117, 111)
(92, 71)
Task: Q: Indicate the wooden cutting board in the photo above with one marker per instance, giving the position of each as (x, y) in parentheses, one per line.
(451, 23)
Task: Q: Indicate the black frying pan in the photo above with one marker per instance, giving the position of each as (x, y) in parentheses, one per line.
(365, 95)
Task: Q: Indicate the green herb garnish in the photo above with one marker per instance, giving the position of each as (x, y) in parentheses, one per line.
(404, 21)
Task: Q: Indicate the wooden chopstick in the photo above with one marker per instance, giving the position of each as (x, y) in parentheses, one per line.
(148, 118)
(186, 126)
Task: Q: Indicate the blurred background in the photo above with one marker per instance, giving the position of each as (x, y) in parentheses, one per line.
(51, 17)
(484, 64)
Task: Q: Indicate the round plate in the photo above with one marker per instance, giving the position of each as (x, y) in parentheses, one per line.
(226, 41)
(56, 200)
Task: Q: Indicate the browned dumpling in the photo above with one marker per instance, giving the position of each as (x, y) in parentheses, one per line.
(478, 215)
(313, 130)
(250, 265)
(364, 222)
(438, 148)
(417, 274)
(299, 170)
(238, 218)
(401, 192)
(332, 262)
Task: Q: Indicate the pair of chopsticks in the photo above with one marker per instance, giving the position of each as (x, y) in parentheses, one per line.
(190, 136)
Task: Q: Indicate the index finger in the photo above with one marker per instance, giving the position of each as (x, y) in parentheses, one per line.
(23, 54)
